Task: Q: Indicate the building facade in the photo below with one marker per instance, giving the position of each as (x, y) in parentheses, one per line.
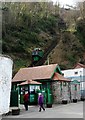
(77, 73)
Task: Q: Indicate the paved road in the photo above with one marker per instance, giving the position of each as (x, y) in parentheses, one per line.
(71, 110)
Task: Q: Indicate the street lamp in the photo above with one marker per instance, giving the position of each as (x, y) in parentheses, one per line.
(81, 84)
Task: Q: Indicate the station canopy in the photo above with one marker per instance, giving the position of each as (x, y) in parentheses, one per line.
(75, 82)
(30, 82)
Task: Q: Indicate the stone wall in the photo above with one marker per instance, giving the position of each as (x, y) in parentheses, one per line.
(66, 91)
(60, 91)
(75, 91)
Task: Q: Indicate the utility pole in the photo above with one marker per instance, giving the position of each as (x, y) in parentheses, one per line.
(48, 60)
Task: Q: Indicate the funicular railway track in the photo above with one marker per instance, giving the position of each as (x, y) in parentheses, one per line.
(47, 51)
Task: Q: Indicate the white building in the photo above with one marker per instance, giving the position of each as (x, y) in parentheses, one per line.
(77, 73)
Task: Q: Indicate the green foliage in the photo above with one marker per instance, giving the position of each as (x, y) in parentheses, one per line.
(46, 24)
(22, 25)
(19, 62)
(81, 31)
(63, 67)
(71, 58)
(29, 25)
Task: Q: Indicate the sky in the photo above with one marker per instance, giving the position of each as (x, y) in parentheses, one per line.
(69, 2)
(62, 2)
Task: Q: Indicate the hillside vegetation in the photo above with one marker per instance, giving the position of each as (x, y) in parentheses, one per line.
(30, 25)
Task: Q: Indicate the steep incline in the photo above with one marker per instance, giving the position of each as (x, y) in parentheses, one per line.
(48, 50)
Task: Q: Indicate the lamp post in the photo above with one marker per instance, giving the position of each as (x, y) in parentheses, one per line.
(81, 80)
(81, 85)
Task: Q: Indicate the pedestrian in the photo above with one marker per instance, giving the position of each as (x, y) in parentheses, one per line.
(41, 102)
(26, 100)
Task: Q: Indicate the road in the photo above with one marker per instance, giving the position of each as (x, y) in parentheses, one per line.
(71, 110)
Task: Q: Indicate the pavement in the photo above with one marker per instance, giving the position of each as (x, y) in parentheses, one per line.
(70, 110)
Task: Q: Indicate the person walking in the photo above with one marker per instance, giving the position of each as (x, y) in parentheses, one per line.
(26, 99)
(41, 102)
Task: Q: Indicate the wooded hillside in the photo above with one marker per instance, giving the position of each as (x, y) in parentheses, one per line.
(30, 25)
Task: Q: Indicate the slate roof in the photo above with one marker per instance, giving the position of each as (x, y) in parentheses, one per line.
(79, 65)
(59, 77)
(35, 73)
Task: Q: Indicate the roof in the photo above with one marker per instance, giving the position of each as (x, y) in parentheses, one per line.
(30, 82)
(57, 76)
(75, 82)
(35, 73)
(79, 65)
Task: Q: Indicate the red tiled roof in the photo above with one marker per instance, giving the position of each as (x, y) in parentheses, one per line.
(30, 82)
(57, 76)
(79, 65)
(35, 73)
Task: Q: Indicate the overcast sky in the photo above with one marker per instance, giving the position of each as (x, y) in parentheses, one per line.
(62, 2)
(69, 2)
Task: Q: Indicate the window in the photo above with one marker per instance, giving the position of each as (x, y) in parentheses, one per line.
(76, 72)
(64, 83)
(63, 74)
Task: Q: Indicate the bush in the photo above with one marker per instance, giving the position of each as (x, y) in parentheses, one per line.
(81, 31)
